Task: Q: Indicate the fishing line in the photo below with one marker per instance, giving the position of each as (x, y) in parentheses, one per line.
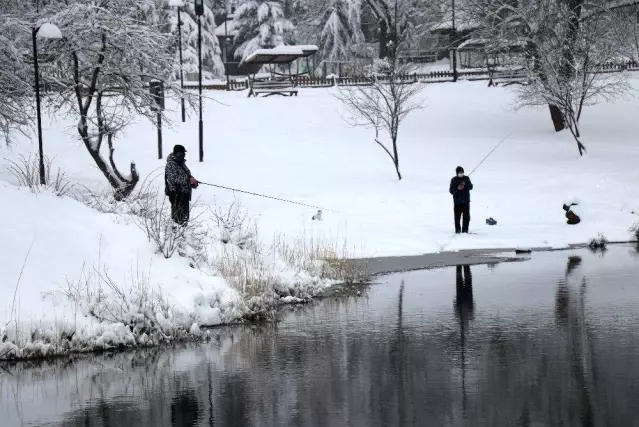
(491, 152)
(266, 197)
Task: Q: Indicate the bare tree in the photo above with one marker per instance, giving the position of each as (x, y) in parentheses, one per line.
(105, 62)
(15, 89)
(383, 104)
(562, 47)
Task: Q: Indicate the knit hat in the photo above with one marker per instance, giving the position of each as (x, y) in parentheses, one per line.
(459, 169)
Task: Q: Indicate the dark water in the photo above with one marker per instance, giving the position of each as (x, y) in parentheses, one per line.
(548, 342)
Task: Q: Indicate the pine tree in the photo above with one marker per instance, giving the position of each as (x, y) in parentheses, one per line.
(159, 14)
(212, 65)
(261, 25)
(341, 28)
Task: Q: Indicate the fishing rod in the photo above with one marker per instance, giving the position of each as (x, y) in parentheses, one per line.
(266, 197)
(491, 152)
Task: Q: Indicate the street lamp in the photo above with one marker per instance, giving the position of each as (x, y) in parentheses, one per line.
(454, 31)
(178, 4)
(199, 11)
(226, 44)
(45, 31)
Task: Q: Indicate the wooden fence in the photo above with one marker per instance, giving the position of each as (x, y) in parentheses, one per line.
(432, 77)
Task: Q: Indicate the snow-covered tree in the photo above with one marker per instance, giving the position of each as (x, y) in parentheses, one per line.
(401, 23)
(341, 29)
(164, 17)
(260, 24)
(563, 44)
(15, 74)
(212, 64)
(105, 62)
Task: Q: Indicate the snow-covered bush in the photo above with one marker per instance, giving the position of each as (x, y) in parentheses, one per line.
(137, 305)
(153, 216)
(248, 273)
(320, 258)
(234, 225)
(26, 173)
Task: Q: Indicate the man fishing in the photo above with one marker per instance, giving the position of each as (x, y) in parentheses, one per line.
(179, 184)
(460, 187)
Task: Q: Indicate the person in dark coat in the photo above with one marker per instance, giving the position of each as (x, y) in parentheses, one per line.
(460, 187)
(179, 184)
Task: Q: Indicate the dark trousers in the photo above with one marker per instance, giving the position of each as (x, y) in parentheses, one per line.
(462, 210)
(180, 206)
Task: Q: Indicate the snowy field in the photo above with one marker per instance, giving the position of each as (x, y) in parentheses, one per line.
(302, 149)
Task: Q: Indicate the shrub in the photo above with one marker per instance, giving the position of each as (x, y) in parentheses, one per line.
(599, 243)
(234, 226)
(26, 172)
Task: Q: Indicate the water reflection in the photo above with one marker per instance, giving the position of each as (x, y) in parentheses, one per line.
(543, 343)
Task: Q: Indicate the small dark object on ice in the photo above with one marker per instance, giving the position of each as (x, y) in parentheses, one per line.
(573, 218)
(598, 243)
(491, 221)
(317, 216)
(523, 251)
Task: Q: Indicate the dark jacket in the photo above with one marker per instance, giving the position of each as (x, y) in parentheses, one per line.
(176, 178)
(461, 197)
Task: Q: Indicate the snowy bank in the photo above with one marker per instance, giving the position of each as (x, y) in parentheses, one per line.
(76, 279)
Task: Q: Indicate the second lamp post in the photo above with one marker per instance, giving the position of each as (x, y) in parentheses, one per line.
(199, 11)
(45, 31)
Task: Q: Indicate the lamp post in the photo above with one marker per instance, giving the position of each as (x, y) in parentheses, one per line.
(454, 34)
(226, 44)
(45, 31)
(199, 11)
(178, 4)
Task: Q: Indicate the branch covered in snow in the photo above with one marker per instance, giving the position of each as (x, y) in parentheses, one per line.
(16, 74)
(340, 30)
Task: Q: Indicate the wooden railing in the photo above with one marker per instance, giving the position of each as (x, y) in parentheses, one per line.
(432, 77)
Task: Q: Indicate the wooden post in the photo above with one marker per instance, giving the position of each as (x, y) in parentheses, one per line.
(159, 134)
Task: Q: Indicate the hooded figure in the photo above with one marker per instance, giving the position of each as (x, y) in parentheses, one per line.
(178, 185)
(460, 187)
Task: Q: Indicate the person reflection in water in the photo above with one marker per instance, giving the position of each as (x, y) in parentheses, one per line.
(185, 411)
(464, 293)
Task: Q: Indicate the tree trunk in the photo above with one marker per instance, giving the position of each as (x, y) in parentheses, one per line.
(574, 129)
(383, 39)
(396, 159)
(122, 186)
(558, 118)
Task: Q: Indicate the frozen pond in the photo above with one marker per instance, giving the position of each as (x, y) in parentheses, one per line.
(550, 341)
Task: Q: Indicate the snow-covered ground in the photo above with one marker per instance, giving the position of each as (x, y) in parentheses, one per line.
(302, 149)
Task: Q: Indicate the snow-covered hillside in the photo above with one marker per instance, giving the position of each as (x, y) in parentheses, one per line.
(301, 149)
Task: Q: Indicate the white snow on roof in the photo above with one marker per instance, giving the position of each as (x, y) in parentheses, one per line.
(278, 50)
(307, 47)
